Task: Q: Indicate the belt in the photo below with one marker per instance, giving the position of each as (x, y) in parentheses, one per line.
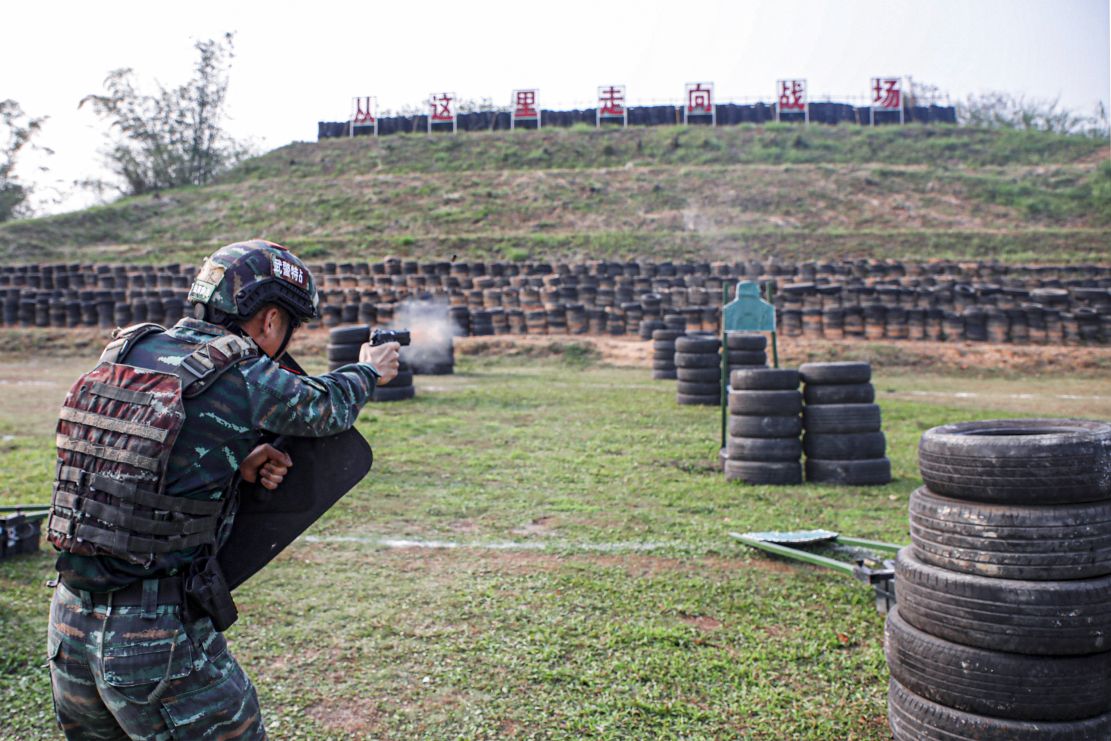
(170, 592)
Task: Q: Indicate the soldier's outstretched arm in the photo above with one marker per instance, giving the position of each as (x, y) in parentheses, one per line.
(306, 406)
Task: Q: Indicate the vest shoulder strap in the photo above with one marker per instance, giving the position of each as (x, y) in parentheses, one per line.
(125, 339)
(200, 368)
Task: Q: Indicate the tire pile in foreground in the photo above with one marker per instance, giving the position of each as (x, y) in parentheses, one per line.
(663, 353)
(344, 344)
(843, 440)
(697, 361)
(1003, 625)
(763, 443)
(698, 369)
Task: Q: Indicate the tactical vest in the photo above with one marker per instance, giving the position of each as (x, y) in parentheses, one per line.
(115, 432)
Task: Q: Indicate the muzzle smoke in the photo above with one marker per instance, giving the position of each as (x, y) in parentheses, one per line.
(432, 329)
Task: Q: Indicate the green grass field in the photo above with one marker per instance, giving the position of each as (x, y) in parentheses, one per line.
(541, 551)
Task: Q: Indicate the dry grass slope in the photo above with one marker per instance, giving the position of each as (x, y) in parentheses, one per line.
(671, 192)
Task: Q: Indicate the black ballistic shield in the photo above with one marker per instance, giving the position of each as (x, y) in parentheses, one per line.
(324, 469)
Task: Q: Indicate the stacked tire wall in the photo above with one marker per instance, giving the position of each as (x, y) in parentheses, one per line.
(939, 301)
(1003, 623)
(843, 438)
(763, 426)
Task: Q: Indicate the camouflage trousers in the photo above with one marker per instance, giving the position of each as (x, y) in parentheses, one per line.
(133, 672)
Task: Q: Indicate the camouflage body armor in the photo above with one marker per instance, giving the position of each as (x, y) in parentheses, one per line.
(115, 432)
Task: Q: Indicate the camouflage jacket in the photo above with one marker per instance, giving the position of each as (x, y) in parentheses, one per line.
(222, 426)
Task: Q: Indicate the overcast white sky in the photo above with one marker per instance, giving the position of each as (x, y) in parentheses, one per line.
(297, 64)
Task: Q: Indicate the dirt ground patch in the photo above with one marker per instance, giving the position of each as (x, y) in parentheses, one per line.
(350, 716)
(631, 351)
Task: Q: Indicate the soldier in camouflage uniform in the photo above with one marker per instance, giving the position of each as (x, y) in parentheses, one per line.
(126, 659)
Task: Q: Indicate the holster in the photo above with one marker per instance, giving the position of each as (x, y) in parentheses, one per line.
(207, 594)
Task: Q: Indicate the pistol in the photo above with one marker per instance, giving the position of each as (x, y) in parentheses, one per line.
(382, 336)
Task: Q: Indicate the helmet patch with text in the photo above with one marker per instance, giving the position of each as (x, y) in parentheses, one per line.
(290, 272)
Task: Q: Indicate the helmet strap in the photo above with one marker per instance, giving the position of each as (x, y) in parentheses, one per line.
(289, 326)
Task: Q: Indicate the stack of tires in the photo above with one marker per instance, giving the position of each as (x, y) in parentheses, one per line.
(763, 427)
(663, 353)
(746, 350)
(843, 440)
(1003, 625)
(698, 369)
(344, 344)
(400, 388)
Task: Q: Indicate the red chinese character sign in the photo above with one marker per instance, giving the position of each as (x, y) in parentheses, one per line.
(886, 95)
(699, 102)
(525, 108)
(790, 97)
(611, 105)
(364, 115)
(442, 110)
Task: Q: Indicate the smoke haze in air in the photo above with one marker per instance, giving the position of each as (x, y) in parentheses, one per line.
(432, 331)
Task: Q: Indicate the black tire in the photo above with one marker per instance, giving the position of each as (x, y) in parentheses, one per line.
(871, 472)
(668, 355)
(693, 388)
(746, 357)
(839, 393)
(1047, 618)
(697, 344)
(658, 364)
(666, 335)
(664, 374)
(914, 718)
(743, 341)
(403, 378)
(849, 446)
(765, 379)
(1019, 461)
(765, 403)
(770, 449)
(841, 418)
(753, 472)
(695, 400)
(995, 683)
(1038, 543)
(664, 346)
(741, 425)
(851, 372)
(700, 375)
(347, 352)
(696, 360)
(358, 334)
(386, 393)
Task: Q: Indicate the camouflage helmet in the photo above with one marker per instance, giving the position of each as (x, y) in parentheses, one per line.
(241, 278)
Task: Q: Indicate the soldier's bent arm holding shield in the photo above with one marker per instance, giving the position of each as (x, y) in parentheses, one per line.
(150, 443)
